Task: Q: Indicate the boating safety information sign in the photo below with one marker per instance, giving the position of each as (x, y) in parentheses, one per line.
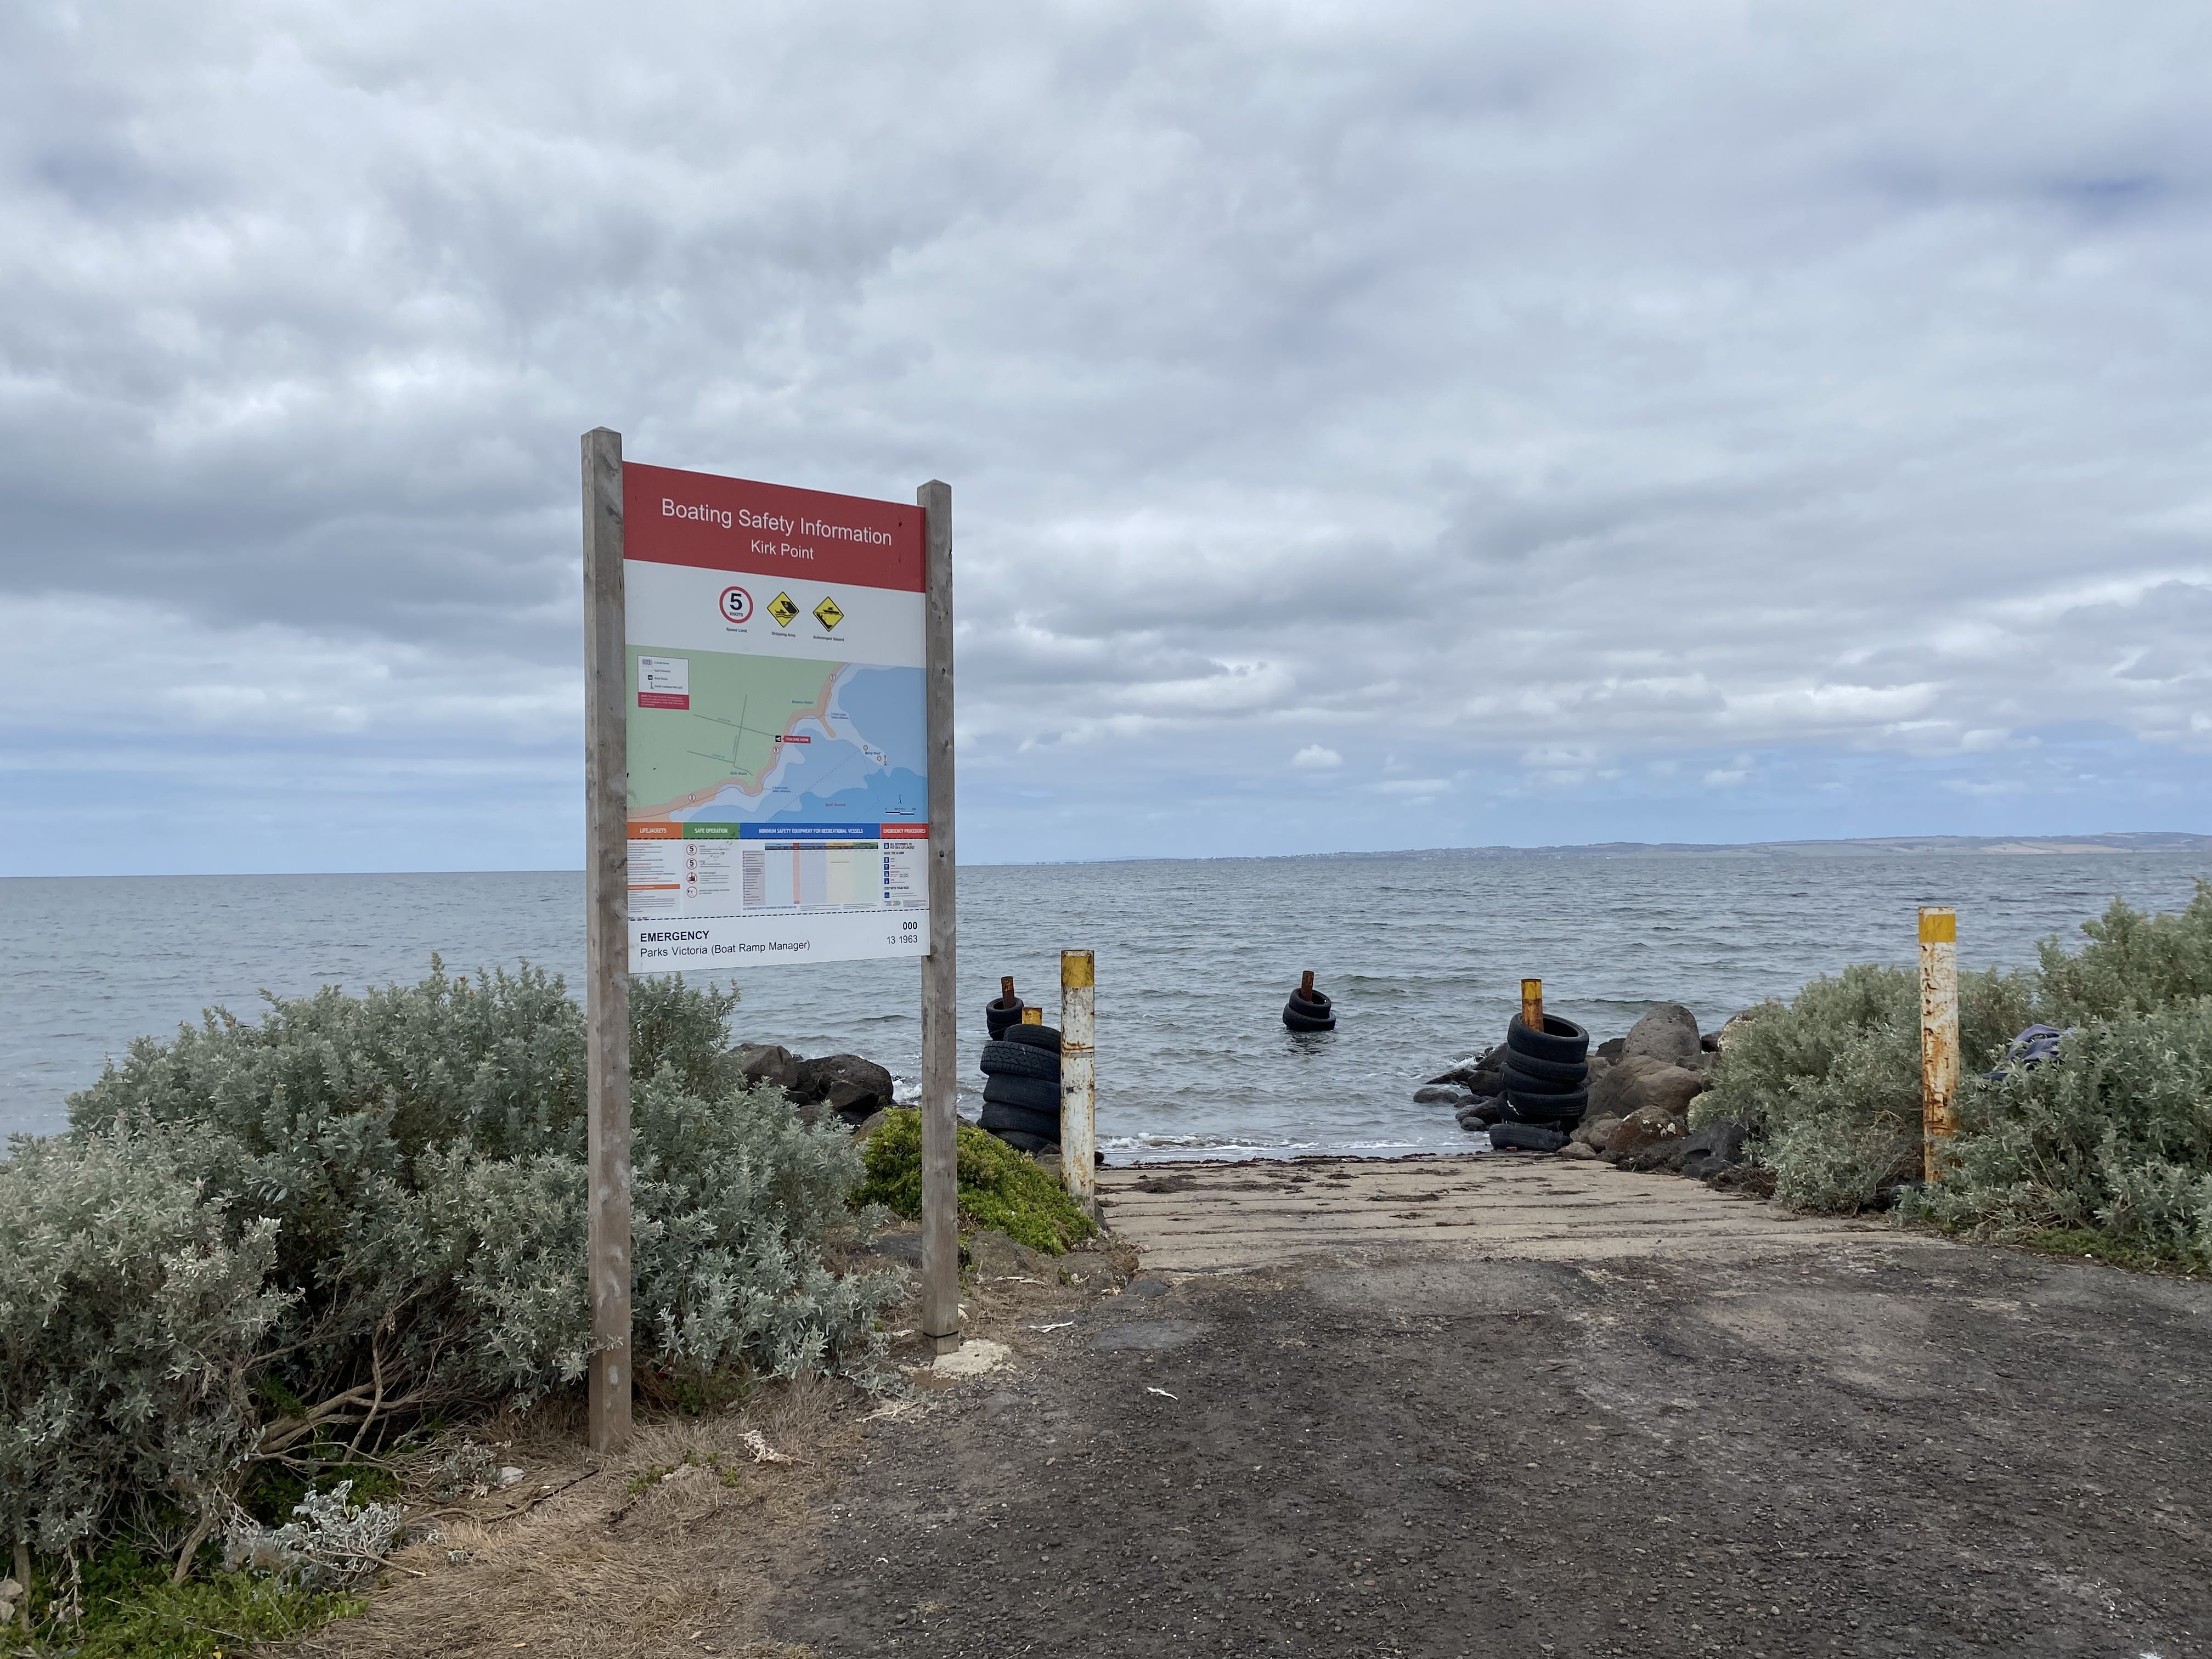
(778, 756)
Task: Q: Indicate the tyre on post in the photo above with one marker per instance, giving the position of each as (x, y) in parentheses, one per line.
(1003, 1010)
(1308, 1010)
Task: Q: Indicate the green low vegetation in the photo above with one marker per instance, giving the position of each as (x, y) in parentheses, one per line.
(999, 1187)
(2111, 1141)
(130, 1610)
(2090, 1245)
(265, 1252)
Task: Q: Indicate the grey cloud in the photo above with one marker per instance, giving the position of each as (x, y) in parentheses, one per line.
(1593, 378)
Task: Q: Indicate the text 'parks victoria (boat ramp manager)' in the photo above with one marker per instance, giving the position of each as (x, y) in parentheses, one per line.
(778, 760)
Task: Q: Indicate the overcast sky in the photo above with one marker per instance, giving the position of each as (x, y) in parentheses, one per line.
(1369, 425)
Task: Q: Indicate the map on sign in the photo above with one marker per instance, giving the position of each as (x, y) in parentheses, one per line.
(778, 748)
(772, 740)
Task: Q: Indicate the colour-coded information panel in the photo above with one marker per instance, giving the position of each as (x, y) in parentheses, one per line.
(778, 744)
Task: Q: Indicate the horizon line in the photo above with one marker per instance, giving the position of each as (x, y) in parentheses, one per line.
(2087, 843)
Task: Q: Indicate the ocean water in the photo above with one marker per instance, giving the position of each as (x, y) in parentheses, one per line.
(1423, 956)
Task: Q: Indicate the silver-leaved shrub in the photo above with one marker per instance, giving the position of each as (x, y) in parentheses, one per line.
(2133, 962)
(330, 1543)
(285, 1239)
(135, 1312)
(1830, 1083)
(2115, 1133)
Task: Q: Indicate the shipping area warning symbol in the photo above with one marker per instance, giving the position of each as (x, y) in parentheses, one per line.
(783, 608)
(828, 614)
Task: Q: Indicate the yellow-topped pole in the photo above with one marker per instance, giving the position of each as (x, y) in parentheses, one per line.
(1078, 1079)
(1532, 1004)
(1938, 1035)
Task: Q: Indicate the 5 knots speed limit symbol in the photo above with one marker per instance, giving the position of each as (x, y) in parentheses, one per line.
(737, 605)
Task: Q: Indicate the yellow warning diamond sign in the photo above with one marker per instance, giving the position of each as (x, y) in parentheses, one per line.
(783, 608)
(828, 614)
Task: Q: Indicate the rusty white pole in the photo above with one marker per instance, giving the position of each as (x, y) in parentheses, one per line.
(1078, 1079)
(1939, 1034)
(1532, 1004)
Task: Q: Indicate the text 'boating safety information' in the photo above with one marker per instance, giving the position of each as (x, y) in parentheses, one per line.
(778, 788)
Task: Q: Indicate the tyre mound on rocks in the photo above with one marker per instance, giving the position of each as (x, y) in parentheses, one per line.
(1626, 1099)
(1544, 1079)
(1021, 1086)
(1537, 1081)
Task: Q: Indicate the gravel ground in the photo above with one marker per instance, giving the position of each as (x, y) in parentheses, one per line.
(1903, 1447)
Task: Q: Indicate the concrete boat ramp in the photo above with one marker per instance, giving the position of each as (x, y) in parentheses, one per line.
(1215, 1217)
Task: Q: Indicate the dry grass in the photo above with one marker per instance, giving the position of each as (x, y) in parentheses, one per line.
(671, 1547)
(676, 1545)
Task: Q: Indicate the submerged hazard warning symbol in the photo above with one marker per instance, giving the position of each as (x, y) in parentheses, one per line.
(783, 608)
(828, 614)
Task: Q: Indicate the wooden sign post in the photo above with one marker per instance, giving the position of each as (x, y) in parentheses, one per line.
(606, 939)
(940, 986)
(705, 596)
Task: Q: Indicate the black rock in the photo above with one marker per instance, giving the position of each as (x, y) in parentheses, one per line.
(1434, 1095)
(765, 1063)
(1668, 1032)
(1481, 1075)
(1481, 1113)
(1703, 1153)
(1525, 1137)
(854, 1087)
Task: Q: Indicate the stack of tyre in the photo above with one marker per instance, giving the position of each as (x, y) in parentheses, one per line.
(1546, 1084)
(1021, 1078)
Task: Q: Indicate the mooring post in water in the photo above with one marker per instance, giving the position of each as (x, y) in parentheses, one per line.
(940, 985)
(1005, 988)
(1078, 1079)
(1532, 1004)
(1939, 1034)
(1305, 984)
(607, 945)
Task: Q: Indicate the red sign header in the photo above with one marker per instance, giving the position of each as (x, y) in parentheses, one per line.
(704, 519)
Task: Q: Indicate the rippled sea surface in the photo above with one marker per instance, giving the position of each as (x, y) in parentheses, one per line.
(1423, 957)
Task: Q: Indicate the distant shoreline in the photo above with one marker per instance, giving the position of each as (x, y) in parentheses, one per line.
(1865, 846)
(1869, 847)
